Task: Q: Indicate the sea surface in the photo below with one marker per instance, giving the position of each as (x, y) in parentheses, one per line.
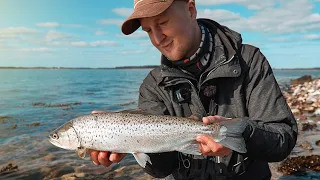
(34, 102)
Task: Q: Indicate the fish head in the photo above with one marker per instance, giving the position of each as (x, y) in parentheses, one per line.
(65, 137)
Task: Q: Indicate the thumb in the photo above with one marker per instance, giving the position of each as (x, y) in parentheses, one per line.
(202, 139)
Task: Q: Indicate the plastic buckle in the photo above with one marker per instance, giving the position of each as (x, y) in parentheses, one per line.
(183, 95)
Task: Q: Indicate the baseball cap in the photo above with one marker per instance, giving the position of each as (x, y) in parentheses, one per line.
(142, 9)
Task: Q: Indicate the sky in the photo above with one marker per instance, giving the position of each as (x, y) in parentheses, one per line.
(83, 33)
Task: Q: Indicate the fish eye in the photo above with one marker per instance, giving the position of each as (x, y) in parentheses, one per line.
(55, 136)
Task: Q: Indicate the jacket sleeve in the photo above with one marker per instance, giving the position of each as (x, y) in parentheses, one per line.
(271, 133)
(163, 164)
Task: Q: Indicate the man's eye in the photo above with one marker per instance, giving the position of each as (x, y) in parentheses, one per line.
(163, 23)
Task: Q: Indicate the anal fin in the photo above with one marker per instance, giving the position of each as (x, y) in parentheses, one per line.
(142, 159)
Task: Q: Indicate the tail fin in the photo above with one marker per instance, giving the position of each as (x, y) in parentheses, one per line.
(232, 131)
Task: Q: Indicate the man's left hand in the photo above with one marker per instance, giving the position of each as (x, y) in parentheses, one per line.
(207, 145)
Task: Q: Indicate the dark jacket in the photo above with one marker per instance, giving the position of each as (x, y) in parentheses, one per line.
(245, 87)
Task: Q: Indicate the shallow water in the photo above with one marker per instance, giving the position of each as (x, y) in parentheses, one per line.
(52, 97)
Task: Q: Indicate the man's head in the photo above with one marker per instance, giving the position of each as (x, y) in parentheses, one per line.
(170, 24)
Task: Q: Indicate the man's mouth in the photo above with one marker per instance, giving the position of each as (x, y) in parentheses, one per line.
(167, 47)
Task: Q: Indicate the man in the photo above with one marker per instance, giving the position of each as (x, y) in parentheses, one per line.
(207, 71)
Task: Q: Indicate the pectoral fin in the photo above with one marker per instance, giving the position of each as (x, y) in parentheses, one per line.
(191, 148)
(142, 159)
(81, 152)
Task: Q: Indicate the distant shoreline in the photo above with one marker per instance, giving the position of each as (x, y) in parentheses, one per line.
(84, 68)
(124, 67)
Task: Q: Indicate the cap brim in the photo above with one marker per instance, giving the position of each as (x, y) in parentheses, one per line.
(149, 10)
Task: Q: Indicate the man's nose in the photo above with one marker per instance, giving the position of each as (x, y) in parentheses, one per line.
(158, 37)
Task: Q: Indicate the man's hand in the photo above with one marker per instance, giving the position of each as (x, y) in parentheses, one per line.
(207, 145)
(104, 158)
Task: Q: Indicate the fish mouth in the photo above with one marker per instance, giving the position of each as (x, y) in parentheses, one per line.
(56, 143)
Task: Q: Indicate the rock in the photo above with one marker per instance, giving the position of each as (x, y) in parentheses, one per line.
(61, 171)
(8, 169)
(302, 117)
(72, 176)
(295, 111)
(317, 112)
(309, 109)
(302, 80)
(306, 126)
(300, 164)
(306, 145)
(318, 142)
(14, 126)
(49, 157)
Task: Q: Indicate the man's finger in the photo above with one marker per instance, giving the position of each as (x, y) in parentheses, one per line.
(103, 158)
(94, 156)
(116, 157)
(212, 119)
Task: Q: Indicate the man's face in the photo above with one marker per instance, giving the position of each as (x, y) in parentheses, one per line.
(172, 32)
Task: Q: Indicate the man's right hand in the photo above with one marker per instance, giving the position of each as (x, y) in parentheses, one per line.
(104, 158)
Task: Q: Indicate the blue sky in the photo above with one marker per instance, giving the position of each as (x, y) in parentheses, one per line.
(79, 33)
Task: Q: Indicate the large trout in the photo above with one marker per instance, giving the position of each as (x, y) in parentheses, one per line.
(140, 133)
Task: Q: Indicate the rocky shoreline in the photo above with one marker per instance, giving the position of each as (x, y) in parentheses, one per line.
(303, 97)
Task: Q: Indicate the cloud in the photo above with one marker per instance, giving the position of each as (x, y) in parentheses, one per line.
(311, 37)
(12, 32)
(124, 12)
(41, 49)
(250, 4)
(135, 35)
(280, 39)
(56, 36)
(55, 25)
(94, 43)
(286, 17)
(145, 43)
(100, 33)
(48, 24)
(133, 52)
(117, 22)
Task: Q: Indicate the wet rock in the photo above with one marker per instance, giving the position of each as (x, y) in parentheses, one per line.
(41, 104)
(33, 124)
(318, 143)
(295, 111)
(61, 171)
(302, 117)
(306, 126)
(14, 126)
(317, 112)
(49, 157)
(72, 176)
(300, 164)
(8, 169)
(306, 145)
(4, 118)
(302, 79)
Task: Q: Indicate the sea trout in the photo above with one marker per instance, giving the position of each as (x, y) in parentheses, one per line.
(140, 133)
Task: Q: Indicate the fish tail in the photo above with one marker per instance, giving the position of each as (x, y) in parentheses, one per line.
(231, 131)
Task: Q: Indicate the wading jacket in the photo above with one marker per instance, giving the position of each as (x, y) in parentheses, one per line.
(239, 83)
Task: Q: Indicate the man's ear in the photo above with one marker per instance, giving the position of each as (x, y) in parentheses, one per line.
(192, 9)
